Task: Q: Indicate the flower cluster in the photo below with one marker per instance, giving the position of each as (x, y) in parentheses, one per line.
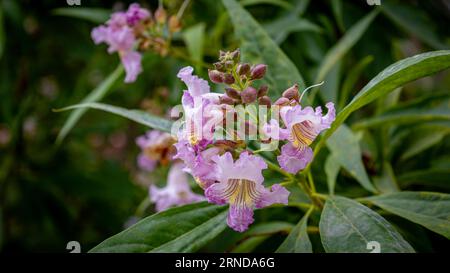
(134, 31)
(227, 169)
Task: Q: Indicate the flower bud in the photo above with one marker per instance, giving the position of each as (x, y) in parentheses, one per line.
(232, 93)
(249, 95)
(219, 66)
(228, 78)
(282, 101)
(243, 69)
(258, 71)
(226, 100)
(160, 15)
(174, 24)
(262, 91)
(229, 64)
(264, 100)
(215, 76)
(236, 55)
(291, 92)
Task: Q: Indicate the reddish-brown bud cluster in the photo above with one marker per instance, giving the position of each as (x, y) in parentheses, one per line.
(239, 77)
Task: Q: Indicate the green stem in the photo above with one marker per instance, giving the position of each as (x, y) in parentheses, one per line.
(274, 167)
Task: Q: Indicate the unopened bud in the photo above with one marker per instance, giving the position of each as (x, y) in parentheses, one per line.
(265, 100)
(291, 92)
(232, 93)
(236, 55)
(174, 24)
(262, 91)
(219, 66)
(215, 76)
(249, 95)
(226, 100)
(258, 71)
(229, 64)
(160, 15)
(282, 101)
(243, 69)
(228, 78)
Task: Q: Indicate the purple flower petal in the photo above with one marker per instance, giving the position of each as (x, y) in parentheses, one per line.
(132, 63)
(293, 159)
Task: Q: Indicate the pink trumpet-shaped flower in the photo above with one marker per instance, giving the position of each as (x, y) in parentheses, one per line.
(176, 193)
(155, 147)
(303, 125)
(119, 34)
(240, 185)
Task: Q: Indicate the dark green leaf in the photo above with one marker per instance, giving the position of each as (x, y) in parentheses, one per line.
(180, 229)
(347, 226)
(332, 168)
(414, 21)
(394, 76)
(298, 240)
(279, 3)
(429, 209)
(258, 47)
(344, 146)
(344, 45)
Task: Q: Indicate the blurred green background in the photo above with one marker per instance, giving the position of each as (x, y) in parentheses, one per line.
(88, 188)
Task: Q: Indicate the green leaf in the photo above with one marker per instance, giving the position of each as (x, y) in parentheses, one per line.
(422, 138)
(343, 45)
(95, 15)
(429, 209)
(195, 39)
(347, 226)
(138, 116)
(414, 21)
(336, 6)
(387, 182)
(407, 115)
(280, 29)
(97, 94)
(258, 47)
(389, 79)
(180, 229)
(435, 177)
(279, 3)
(298, 240)
(258, 233)
(344, 145)
(332, 168)
(351, 80)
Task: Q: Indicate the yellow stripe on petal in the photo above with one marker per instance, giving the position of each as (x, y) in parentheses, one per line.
(302, 134)
(242, 193)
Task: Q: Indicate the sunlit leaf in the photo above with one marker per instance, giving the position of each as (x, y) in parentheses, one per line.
(298, 240)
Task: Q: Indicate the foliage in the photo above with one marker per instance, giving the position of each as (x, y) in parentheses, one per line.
(380, 173)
